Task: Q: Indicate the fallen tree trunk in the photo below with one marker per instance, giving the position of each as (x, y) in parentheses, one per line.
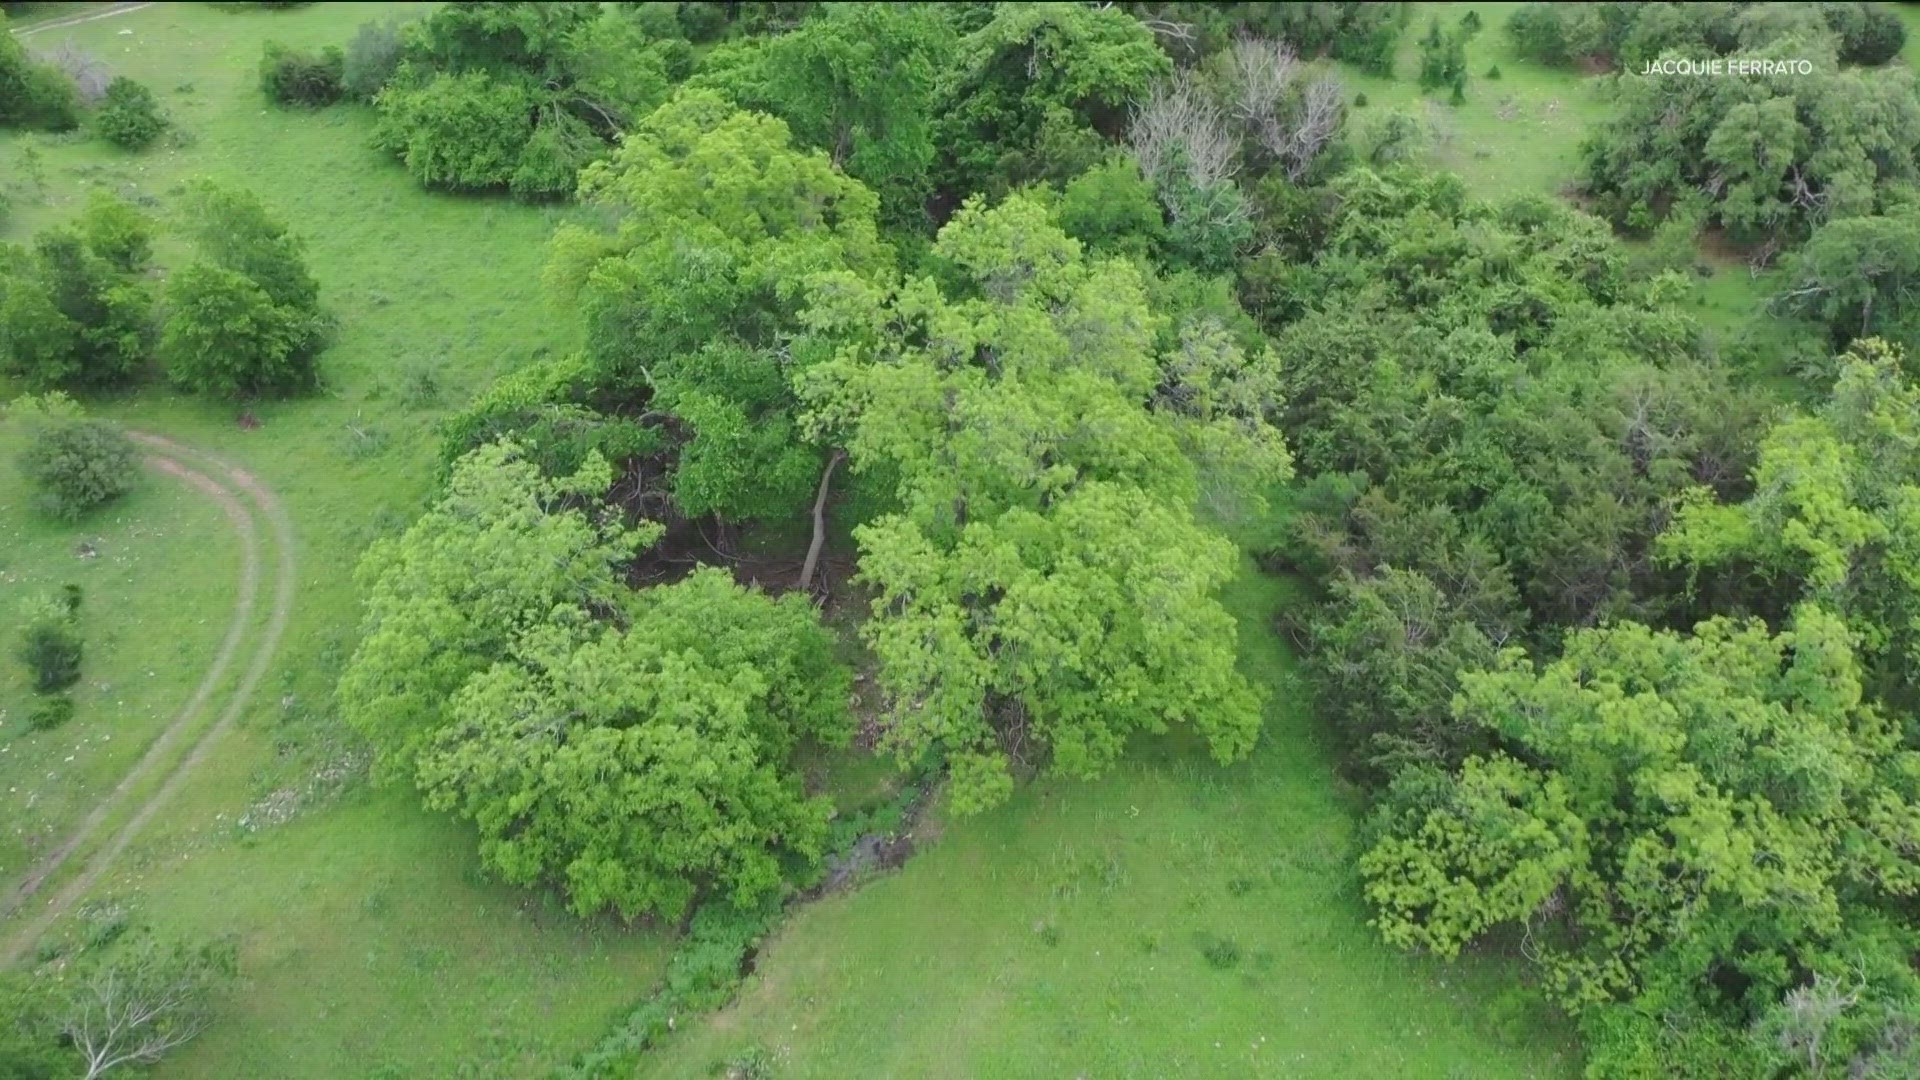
(819, 522)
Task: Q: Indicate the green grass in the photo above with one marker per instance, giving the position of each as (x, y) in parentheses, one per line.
(446, 971)
(1175, 919)
(158, 598)
(1518, 134)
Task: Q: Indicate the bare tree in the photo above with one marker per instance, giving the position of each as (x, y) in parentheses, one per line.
(1178, 127)
(89, 74)
(1291, 124)
(146, 999)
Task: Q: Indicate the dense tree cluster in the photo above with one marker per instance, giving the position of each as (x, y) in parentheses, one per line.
(75, 309)
(1630, 34)
(1772, 157)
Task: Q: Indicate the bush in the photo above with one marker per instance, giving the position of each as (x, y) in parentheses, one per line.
(1493, 72)
(129, 116)
(1360, 100)
(224, 335)
(74, 464)
(371, 59)
(50, 712)
(33, 94)
(69, 317)
(49, 644)
(116, 232)
(301, 77)
(1111, 208)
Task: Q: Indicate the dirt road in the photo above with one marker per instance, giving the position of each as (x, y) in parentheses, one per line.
(225, 484)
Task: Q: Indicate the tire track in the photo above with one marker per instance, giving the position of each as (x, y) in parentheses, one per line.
(163, 453)
(76, 20)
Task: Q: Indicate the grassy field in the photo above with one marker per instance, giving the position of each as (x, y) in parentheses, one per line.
(1175, 919)
(369, 940)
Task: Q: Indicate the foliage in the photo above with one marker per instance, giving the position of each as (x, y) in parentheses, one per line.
(858, 83)
(72, 311)
(686, 301)
(30, 1046)
(303, 77)
(50, 646)
(1779, 156)
(517, 96)
(34, 94)
(1443, 56)
(1038, 498)
(246, 318)
(1831, 517)
(372, 58)
(73, 464)
(1028, 95)
(1630, 34)
(1112, 209)
(643, 768)
(113, 230)
(143, 998)
(224, 335)
(1671, 806)
(502, 552)
(129, 116)
(1858, 277)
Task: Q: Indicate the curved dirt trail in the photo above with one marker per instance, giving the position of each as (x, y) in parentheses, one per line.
(76, 20)
(163, 454)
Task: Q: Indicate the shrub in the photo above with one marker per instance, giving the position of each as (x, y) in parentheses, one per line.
(49, 644)
(116, 232)
(1360, 100)
(68, 316)
(1493, 72)
(371, 58)
(224, 335)
(1111, 208)
(75, 464)
(33, 94)
(50, 712)
(302, 77)
(129, 116)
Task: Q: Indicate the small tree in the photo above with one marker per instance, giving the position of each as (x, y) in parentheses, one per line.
(76, 464)
(129, 117)
(145, 999)
(34, 95)
(224, 335)
(116, 232)
(49, 644)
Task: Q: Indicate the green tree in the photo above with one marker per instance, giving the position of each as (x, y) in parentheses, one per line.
(688, 300)
(129, 116)
(32, 94)
(858, 82)
(1859, 277)
(1042, 497)
(50, 646)
(1033, 92)
(72, 463)
(116, 232)
(224, 335)
(645, 768)
(503, 552)
(69, 317)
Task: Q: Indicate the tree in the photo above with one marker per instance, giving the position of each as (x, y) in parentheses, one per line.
(1670, 806)
(225, 336)
(129, 116)
(144, 999)
(50, 646)
(688, 300)
(73, 464)
(644, 768)
(1859, 277)
(504, 551)
(234, 230)
(69, 317)
(1042, 582)
(116, 232)
(371, 58)
(858, 83)
(1031, 94)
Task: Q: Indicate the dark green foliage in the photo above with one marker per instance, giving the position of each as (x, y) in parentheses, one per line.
(303, 77)
(1869, 33)
(32, 94)
(49, 711)
(76, 464)
(1493, 73)
(71, 311)
(49, 644)
(518, 96)
(1859, 277)
(371, 58)
(1443, 57)
(234, 230)
(116, 232)
(1630, 34)
(225, 336)
(1360, 100)
(1030, 94)
(1778, 154)
(31, 1047)
(129, 116)
(1112, 209)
